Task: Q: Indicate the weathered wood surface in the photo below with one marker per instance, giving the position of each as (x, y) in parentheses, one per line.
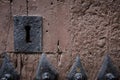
(86, 27)
(4, 23)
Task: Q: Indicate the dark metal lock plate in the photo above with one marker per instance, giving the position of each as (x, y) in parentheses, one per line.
(45, 70)
(7, 70)
(27, 33)
(108, 71)
(77, 71)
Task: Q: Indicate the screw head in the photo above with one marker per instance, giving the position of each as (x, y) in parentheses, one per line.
(78, 76)
(109, 76)
(46, 76)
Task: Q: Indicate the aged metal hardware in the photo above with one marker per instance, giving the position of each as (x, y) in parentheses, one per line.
(27, 33)
(45, 70)
(7, 71)
(108, 70)
(78, 76)
(77, 72)
(46, 76)
(110, 76)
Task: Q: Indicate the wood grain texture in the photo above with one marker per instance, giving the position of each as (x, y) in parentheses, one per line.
(89, 28)
(4, 24)
(55, 22)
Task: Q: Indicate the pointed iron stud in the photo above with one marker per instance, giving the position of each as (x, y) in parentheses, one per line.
(7, 70)
(45, 70)
(77, 72)
(108, 70)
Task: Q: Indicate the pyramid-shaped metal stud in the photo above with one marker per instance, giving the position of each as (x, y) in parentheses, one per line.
(7, 70)
(107, 70)
(77, 71)
(45, 70)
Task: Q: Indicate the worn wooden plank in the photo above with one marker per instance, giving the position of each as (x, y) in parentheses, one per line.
(27, 64)
(55, 22)
(4, 24)
(18, 7)
(91, 35)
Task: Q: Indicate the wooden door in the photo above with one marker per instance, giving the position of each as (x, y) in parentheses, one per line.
(89, 28)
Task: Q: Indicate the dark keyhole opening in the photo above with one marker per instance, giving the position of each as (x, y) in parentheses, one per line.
(27, 29)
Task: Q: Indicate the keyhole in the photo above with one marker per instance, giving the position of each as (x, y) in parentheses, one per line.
(27, 29)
